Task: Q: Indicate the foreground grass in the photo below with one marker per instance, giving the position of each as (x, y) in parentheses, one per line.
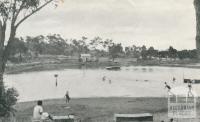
(93, 109)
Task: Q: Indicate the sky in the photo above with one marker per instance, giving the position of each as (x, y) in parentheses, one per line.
(158, 23)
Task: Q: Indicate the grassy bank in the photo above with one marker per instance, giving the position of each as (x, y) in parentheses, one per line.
(99, 109)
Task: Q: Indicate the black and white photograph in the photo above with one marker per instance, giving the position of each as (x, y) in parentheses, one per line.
(99, 60)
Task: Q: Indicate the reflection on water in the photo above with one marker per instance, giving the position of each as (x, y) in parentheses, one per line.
(129, 81)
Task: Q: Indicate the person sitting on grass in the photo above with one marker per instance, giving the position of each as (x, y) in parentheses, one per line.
(38, 114)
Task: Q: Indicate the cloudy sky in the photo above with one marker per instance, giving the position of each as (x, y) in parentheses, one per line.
(158, 23)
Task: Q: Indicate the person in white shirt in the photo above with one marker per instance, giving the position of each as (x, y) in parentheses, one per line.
(37, 111)
(39, 115)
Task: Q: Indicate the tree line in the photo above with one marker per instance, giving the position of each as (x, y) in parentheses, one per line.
(55, 44)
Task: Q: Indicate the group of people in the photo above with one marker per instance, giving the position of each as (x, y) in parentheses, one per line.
(39, 115)
(189, 87)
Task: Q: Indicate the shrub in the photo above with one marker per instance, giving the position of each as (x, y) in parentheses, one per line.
(8, 98)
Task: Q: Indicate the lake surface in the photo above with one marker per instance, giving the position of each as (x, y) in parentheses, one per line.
(134, 81)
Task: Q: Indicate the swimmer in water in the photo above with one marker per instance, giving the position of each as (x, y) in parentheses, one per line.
(110, 81)
(174, 79)
(104, 78)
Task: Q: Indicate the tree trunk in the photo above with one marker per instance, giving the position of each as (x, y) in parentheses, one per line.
(197, 10)
(1, 60)
(2, 88)
(4, 52)
(20, 57)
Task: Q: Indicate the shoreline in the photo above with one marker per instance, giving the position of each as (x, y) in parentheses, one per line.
(93, 97)
(33, 67)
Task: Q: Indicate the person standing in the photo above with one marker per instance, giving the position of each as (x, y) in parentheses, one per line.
(67, 97)
(174, 79)
(190, 89)
(168, 88)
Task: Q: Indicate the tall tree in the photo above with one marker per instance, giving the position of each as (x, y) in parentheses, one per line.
(136, 51)
(107, 43)
(80, 46)
(197, 10)
(127, 51)
(115, 50)
(18, 47)
(151, 52)
(57, 45)
(144, 52)
(12, 14)
(94, 43)
(172, 52)
(35, 44)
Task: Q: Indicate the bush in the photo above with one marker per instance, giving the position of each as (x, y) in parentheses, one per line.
(7, 99)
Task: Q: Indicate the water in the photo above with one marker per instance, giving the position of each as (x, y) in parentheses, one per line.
(128, 82)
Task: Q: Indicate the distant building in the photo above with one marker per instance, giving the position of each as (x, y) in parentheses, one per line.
(85, 57)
